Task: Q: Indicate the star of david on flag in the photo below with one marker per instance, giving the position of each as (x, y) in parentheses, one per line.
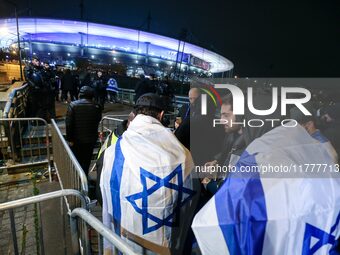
(320, 237)
(159, 183)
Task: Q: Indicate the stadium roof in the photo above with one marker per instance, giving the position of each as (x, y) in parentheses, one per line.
(105, 36)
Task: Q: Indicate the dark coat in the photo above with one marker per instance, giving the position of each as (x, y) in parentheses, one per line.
(82, 119)
(68, 82)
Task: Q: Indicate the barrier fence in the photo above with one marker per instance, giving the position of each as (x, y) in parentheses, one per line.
(127, 96)
(78, 217)
(110, 123)
(119, 244)
(17, 102)
(69, 171)
(24, 142)
(10, 206)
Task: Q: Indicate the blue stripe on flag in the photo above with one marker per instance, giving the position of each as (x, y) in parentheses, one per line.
(317, 135)
(115, 180)
(241, 210)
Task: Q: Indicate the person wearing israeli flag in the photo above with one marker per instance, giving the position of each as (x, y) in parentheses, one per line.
(294, 212)
(149, 193)
(112, 90)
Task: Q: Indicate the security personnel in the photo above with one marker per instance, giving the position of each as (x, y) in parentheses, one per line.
(34, 76)
(48, 90)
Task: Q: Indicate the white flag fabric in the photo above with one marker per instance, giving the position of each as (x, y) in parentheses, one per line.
(317, 135)
(146, 184)
(112, 85)
(252, 214)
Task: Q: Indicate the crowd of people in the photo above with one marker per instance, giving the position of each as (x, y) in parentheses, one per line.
(48, 85)
(159, 188)
(157, 195)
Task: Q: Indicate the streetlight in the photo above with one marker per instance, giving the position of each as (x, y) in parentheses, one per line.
(18, 35)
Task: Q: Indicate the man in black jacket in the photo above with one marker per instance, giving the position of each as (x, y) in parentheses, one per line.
(35, 78)
(82, 119)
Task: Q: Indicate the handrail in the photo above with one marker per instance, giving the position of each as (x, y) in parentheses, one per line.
(79, 170)
(10, 206)
(107, 233)
(47, 137)
(43, 197)
(126, 90)
(11, 97)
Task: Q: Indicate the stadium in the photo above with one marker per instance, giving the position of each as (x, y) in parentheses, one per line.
(60, 42)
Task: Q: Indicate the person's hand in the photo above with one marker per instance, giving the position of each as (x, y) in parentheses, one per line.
(205, 182)
(210, 169)
(211, 163)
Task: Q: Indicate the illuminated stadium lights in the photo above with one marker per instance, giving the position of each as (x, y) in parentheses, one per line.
(92, 56)
(66, 32)
(68, 54)
(49, 53)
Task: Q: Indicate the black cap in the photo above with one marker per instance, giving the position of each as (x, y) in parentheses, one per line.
(150, 100)
(296, 114)
(86, 92)
(36, 58)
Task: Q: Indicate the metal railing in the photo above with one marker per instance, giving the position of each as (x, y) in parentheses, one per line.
(79, 219)
(69, 171)
(109, 124)
(10, 206)
(126, 96)
(102, 230)
(24, 142)
(17, 102)
(181, 100)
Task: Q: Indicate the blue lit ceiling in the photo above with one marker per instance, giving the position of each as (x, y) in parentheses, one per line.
(107, 37)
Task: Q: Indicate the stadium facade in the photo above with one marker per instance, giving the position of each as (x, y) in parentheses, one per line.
(62, 41)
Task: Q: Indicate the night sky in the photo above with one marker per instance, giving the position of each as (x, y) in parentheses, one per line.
(262, 38)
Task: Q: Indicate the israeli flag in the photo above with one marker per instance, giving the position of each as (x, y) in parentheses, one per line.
(252, 214)
(112, 85)
(148, 192)
(317, 135)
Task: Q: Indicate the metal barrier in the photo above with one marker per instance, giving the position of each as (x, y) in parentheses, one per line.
(24, 141)
(109, 124)
(17, 102)
(126, 96)
(70, 173)
(10, 206)
(103, 231)
(181, 100)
